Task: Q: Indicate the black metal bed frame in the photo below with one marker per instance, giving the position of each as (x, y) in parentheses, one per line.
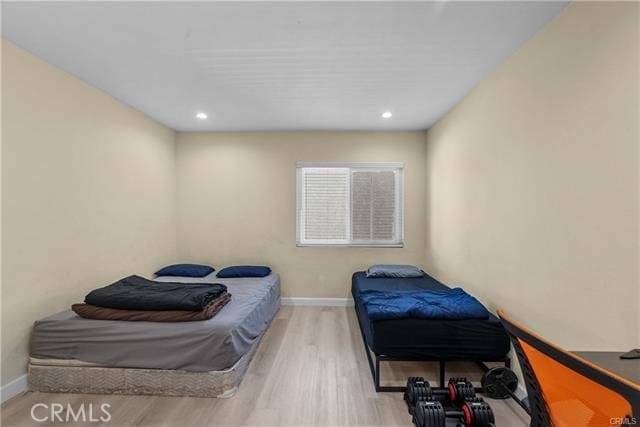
(375, 369)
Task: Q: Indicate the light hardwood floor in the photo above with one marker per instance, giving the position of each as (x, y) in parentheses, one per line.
(310, 369)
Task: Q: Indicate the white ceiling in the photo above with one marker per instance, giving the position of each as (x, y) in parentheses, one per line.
(283, 65)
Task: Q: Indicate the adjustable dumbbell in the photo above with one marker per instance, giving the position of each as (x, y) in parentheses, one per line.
(474, 412)
(460, 389)
(477, 413)
(429, 413)
(457, 391)
(417, 389)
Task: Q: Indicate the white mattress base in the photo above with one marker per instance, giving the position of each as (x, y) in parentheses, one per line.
(74, 376)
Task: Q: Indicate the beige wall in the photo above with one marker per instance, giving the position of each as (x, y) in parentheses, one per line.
(529, 197)
(532, 194)
(88, 195)
(236, 203)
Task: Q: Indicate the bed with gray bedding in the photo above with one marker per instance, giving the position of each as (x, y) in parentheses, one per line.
(216, 345)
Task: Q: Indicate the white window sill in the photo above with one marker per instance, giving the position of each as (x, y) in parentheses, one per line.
(349, 245)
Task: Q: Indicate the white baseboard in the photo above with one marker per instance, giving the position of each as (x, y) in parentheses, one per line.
(14, 388)
(317, 302)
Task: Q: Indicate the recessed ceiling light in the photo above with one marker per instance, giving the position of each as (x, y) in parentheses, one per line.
(387, 115)
(201, 116)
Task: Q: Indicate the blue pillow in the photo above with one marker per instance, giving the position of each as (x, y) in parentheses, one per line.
(244, 271)
(185, 270)
(392, 270)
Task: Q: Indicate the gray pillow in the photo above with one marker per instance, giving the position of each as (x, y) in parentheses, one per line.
(394, 270)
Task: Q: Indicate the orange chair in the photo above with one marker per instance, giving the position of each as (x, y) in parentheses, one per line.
(567, 390)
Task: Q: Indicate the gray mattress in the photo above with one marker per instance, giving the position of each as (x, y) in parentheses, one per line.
(210, 345)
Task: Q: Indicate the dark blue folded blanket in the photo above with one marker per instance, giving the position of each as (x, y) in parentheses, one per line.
(451, 304)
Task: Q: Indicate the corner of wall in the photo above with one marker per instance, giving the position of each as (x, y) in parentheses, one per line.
(175, 194)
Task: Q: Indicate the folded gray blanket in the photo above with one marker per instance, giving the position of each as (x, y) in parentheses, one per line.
(138, 293)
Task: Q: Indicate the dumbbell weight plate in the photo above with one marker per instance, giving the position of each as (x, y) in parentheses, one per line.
(460, 389)
(417, 391)
(478, 413)
(410, 382)
(430, 413)
(496, 382)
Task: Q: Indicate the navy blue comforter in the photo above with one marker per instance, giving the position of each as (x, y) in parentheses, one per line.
(449, 304)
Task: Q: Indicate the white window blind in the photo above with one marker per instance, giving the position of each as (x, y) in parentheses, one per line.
(349, 204)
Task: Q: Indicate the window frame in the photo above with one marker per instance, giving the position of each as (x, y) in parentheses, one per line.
(374, 166)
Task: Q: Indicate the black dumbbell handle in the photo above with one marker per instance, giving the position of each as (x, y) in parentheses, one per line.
(445, 391)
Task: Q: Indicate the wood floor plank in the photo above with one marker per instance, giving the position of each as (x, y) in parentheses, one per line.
(310, 370)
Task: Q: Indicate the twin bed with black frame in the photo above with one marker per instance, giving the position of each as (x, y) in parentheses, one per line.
(416, 339)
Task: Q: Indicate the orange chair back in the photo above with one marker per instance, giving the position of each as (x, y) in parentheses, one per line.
(567, 390)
